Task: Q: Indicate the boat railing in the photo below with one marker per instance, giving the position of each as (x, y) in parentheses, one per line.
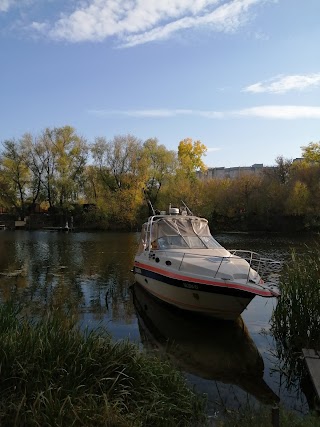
(268, 269)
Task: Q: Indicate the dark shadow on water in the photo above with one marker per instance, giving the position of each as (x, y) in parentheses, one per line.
(208, 348)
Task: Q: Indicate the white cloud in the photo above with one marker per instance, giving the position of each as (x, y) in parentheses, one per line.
(225, 18)
(135, 22)
(213, 149)
(278, 112)
(157, 113)
(282, 84)
(141, 113)
(6, 4)
(286, 112)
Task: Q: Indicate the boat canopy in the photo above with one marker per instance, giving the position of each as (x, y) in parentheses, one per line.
(176, 232)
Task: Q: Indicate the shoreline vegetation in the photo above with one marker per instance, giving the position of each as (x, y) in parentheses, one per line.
(53, 373)
(58, 176)
(80, 219)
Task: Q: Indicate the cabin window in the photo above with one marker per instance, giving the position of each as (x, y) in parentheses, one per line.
(192, 242)
(172, 242)
(210, 242)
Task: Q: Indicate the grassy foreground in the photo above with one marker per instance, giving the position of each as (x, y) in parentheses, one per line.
(53, 374)
(296, 319)
(295, 322)
(262, 417)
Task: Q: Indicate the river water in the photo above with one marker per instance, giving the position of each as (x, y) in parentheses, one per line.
(233, 363)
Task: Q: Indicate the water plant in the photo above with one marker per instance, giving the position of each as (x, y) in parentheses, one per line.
(54, 374)
(295, 322)
(261, 417)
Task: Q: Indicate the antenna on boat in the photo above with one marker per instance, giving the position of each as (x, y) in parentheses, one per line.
(188, 210)
(151, 207)
(149, 203)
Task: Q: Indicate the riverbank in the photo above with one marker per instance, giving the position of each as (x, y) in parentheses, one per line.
(89, 220)
(53, 374)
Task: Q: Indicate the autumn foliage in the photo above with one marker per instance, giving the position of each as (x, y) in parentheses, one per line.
(61, 172)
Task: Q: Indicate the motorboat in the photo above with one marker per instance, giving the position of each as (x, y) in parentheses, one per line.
(212, 349)
(180, 262)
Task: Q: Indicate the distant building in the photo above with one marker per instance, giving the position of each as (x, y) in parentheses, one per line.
(298, 160)
(234, 172)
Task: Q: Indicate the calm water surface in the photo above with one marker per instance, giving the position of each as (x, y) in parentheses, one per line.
(89, 274)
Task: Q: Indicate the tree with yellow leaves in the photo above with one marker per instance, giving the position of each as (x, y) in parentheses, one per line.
(15, 175)
(190, 155)
(311, 152)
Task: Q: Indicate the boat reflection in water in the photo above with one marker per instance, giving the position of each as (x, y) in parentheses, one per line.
(209, 348)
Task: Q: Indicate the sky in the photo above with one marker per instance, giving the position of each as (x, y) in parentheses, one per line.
(241, 76)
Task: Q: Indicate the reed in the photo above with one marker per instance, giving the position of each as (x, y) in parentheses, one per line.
(53, 374)
(295, 322)
(296, 318)
(261, 417)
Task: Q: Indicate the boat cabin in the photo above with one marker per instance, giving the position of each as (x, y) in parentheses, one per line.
(176, 232)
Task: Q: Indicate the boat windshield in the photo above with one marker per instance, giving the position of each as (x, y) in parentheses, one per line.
(183, 242)
(177, 233)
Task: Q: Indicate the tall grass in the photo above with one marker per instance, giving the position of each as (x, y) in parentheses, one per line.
(295, 322)
(296, 319)
(53, 374)
(261, 417)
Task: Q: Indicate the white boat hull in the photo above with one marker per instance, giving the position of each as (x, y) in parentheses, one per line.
(187, 296)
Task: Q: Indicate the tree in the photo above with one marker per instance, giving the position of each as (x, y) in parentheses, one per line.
(123, 173)
(120, 161)
(161, 163)
(190, 155)
(91, 183)
(8, 196)
(311, 152)
(15, 173)
(65, 159)
(299, 198)
(36, 158)
(282, 171)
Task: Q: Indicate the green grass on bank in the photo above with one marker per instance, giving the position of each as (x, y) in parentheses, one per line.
(262, 417)
(296, 319)
(295, 323)
(53, 374)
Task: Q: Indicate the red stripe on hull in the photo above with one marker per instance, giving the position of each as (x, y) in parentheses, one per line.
(262, 292)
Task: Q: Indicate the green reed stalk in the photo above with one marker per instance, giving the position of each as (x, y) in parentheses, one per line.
(261, 417)
(296, 318)
(53, 374)
(295, 322)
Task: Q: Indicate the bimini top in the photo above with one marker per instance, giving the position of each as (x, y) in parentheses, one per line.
(176, 232)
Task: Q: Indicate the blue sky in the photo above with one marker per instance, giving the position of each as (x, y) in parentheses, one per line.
(241, 76)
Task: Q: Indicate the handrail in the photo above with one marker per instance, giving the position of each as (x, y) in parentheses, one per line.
(219, 267)
(264, 267)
